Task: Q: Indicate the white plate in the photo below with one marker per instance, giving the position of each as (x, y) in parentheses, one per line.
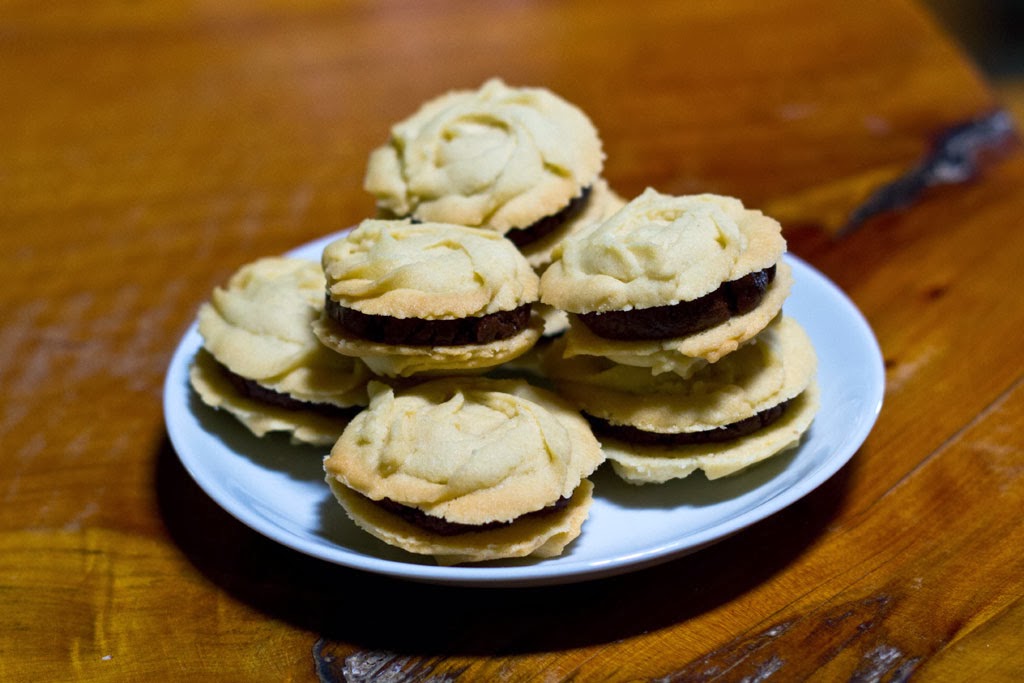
(278, 489)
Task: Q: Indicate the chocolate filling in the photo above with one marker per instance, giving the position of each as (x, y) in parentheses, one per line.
(522, 237)
(257, 392)
(686, 317)
(717, 435)
(443, 527)
(419, 332)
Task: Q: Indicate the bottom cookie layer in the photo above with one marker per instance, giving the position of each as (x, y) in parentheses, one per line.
(538, 536)
(216, 390)
(640, 464)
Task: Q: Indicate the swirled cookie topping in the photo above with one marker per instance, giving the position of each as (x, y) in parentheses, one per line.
(469, 451)
(497, 157)
(427, 270)
(660, 250)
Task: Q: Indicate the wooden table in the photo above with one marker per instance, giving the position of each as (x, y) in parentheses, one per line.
(149, 149)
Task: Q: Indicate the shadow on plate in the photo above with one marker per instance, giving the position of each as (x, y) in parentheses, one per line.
(362, 611)
(336, 527)
(694, 490)
(275, 452)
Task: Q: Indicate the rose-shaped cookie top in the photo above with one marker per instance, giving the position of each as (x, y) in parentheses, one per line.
(470, 451)
(498, 157)
(427, 270)
(259, 326)
(659, 250)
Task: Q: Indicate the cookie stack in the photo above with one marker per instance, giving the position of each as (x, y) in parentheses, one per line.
(495, 230)
(460, 468)
(467, 469)
(677, 350)
(473, 191)
(427, 298)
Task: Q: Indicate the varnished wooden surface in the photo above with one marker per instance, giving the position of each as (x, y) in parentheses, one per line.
(148, 149)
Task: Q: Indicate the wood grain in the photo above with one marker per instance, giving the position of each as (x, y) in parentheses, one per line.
(149, 149)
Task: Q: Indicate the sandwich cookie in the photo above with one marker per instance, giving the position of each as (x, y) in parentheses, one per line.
(750, 405)
(466, 469)
(522, 162)
(262, 363)
(427, 298)
(669, 281)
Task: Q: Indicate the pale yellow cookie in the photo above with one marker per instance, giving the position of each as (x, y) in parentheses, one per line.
(498, 157)
(660, 250)
(639, 464)
(398, 270)
(774, 372)
(258, 328)
(468, 451)
(541, 537)
(775, 367)
(682, 355)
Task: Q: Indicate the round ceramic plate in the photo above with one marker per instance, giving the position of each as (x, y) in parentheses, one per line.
(278, 489)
